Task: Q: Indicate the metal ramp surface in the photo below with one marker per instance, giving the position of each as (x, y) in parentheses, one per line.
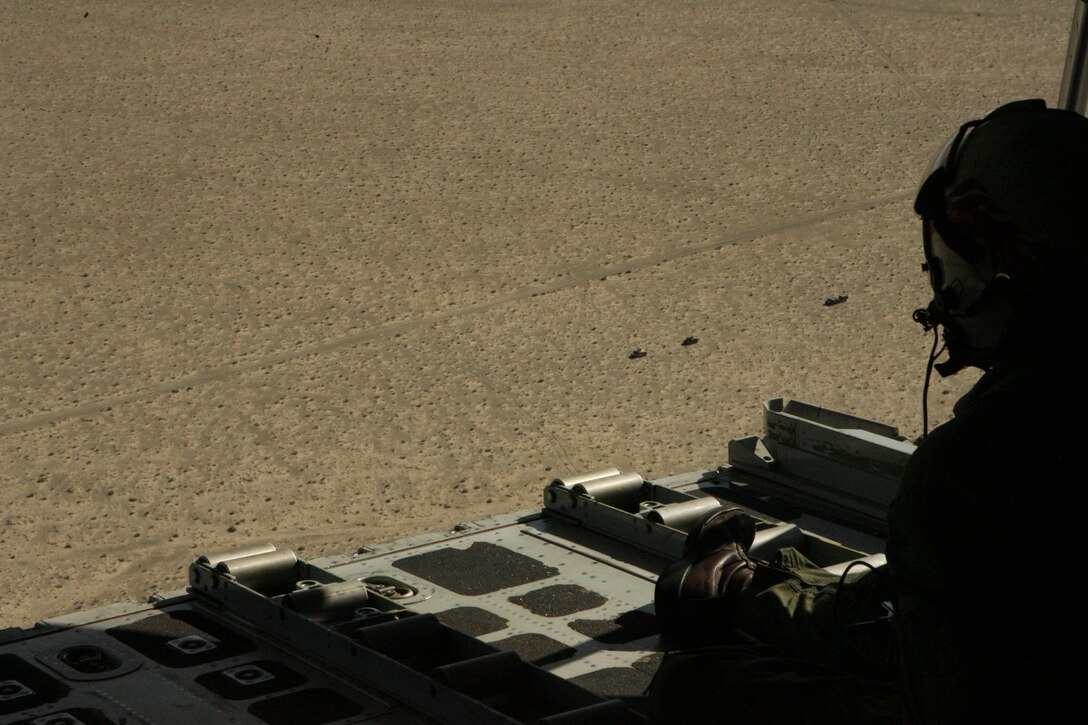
(537, 617)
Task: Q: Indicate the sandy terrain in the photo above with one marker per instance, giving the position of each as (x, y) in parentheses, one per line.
(325, 273)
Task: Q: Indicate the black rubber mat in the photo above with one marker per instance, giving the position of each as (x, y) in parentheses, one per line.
(649, 663)
(181, 639)
(536, 648)
(253, 679)
(472, 621)
(614, 682)
(23, 686)
(480, 569)
(559, 600)
(627, 627)
(305, 707)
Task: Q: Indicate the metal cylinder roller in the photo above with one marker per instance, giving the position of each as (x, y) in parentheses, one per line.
(325, 603)
(403, 637)
(571, 481)
(768, 541)
(480, 677)
(271, 571)
(857, 566)
(621, 490)
(212, 558)
(609, 712)
(682, 515)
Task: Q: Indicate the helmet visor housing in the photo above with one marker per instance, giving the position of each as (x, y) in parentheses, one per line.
(960, 266)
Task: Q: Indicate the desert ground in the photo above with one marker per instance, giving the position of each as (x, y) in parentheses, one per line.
(328, 273)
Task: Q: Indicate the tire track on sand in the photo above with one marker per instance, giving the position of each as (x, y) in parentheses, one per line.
(508, 398)
(588, 275)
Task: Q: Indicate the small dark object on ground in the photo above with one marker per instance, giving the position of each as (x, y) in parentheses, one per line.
(836, 300)
(689, 340)
(637, 353)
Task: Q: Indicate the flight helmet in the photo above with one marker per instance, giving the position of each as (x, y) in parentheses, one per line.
(1004, 211)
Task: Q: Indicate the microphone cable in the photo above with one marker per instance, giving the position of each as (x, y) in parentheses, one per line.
(934, 353)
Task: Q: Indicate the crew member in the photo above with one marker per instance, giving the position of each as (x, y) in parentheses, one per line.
(985, 535)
